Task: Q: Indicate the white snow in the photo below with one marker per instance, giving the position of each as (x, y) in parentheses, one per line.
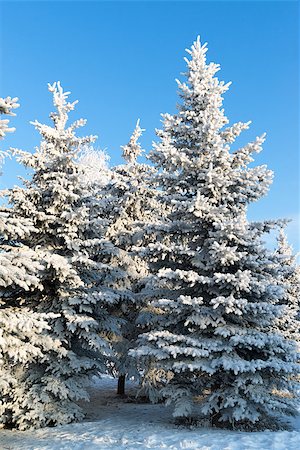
(114, 423)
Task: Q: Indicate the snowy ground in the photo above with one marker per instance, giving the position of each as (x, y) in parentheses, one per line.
(116, 424)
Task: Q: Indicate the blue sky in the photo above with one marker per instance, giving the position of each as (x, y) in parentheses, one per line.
(120, 60)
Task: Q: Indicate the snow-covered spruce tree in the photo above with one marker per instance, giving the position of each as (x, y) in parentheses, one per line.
(130, 204)
(65, 236)
(217, 287)
(21, 330)
(289, 278)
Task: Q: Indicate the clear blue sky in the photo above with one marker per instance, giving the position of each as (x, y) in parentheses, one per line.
(120, 59)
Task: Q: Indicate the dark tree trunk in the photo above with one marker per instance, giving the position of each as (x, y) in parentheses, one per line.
(121, 385)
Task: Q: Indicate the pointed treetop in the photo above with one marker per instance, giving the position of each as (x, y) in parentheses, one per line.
(200, 74)
(202, 94)
(59, 136)
(133, 149)
(198, 56)
(62, 105)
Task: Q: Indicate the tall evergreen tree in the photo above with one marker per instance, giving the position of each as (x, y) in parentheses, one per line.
(130, 204)
(22, 337)
(217, 289)
(65, 236)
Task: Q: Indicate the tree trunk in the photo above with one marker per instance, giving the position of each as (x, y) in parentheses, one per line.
(121, 385)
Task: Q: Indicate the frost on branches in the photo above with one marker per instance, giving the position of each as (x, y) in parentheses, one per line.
(21, 330)
(6, 107)
(94, 163)
(217, 293)
(130, 204)
(289, 278)
(50, 223)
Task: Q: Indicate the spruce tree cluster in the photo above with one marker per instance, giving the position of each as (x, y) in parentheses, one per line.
(146, 271)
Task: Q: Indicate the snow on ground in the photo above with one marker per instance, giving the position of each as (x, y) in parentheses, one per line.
(113, 423)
